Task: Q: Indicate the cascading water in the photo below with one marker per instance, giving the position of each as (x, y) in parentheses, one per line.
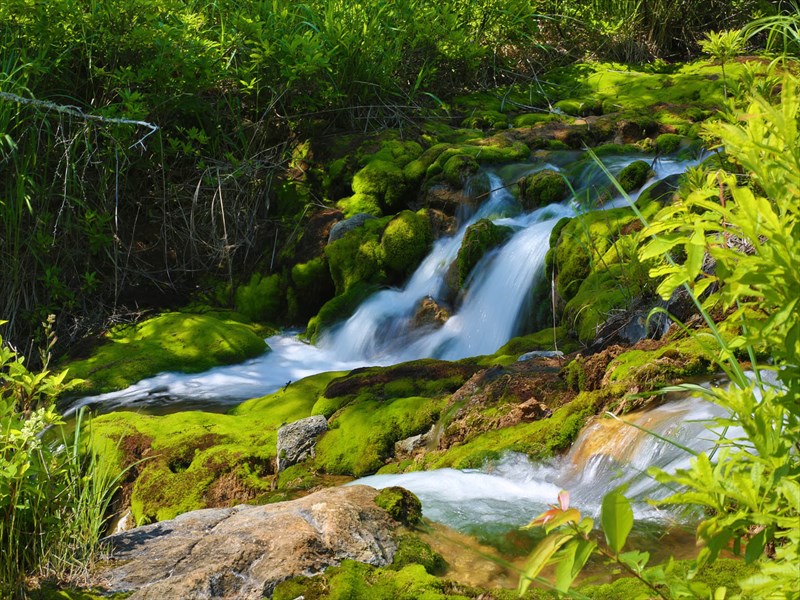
(606, 454)
(380, 331)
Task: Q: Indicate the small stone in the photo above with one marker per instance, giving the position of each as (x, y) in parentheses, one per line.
(430, 314)
(541, 354)
(296, 441)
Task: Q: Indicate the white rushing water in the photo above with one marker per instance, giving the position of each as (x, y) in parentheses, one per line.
(606, 454)
(379, 333)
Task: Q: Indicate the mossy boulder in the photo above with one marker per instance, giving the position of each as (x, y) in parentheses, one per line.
(406, 241)
(358, 256)
(402, 505)
(458, 169)
(542, 188)
(580, 107)
(175, 341)
(485, 119)
(634, 175)
(667, 143)
(261, 298)
(479, 238)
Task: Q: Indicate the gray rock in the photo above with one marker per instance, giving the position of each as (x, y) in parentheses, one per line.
(407, 446)
(339, 229)
(541, 354)
(296, 441)
(245, 551)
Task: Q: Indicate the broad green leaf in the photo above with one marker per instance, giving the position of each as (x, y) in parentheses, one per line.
(540, 556)
(755, 547)
(616, 516)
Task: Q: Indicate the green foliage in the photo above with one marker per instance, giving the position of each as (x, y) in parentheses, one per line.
(53, 497)
(749, 485)
(261, 299)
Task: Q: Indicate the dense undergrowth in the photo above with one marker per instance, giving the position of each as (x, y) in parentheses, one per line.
(145, 145)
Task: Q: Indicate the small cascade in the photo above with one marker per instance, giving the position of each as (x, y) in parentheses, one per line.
(380, 332)
(607, 454)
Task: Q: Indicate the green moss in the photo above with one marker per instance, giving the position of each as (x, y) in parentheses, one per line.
(486, 119)
(363, 433)
(412, 550)
(538, 439)
(677, 360)
(406, 241)
(667, 143)
(634, 175)
(601, 293)
(607, 149)
(479, 238)
(291, 196)
(530, 119)
(580, 107)
(360, 203)
(458, 169)
(541, 340)
(385, 181)
(542, 188)
(338, 308)
(261, 299)
(193, 459)
(312, 287)
(402, 505)
(48, 592)
(358, 256)
(169, 342)
(581, 243)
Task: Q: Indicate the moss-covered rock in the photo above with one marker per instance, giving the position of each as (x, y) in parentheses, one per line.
(402, 505)
(479, 238)
(189, 460)
(458, 169)
(580, 107)
(542, 188)
(358, 256)
(261, 298)
(169, 342)
(406, 241)
(634, 175)
(338, 308)
(541, 340)
(667, 143)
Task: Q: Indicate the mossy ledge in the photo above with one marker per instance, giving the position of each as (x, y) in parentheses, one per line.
(175, 341)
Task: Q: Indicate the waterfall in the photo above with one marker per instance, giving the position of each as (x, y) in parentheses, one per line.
(380, 332)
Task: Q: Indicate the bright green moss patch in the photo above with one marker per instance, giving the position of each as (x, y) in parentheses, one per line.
(634, 175)
(539, 439)
(541, 340)
(667, 143)
(458, 169)
(363, 433)
(194, 459)
(406, 241)
(358, 257)
(169, 342)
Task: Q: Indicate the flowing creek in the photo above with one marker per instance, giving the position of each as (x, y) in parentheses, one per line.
(490, 503)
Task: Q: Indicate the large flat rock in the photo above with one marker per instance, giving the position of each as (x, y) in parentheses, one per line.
(245, 551)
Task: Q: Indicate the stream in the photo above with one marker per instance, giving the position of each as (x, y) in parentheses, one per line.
(498, 499)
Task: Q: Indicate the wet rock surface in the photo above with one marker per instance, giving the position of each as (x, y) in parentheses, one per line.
(296, 440)
(245, 551)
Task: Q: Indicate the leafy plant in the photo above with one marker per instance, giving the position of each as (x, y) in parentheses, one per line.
(723, 46)
(749, 485)
(53, 497)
